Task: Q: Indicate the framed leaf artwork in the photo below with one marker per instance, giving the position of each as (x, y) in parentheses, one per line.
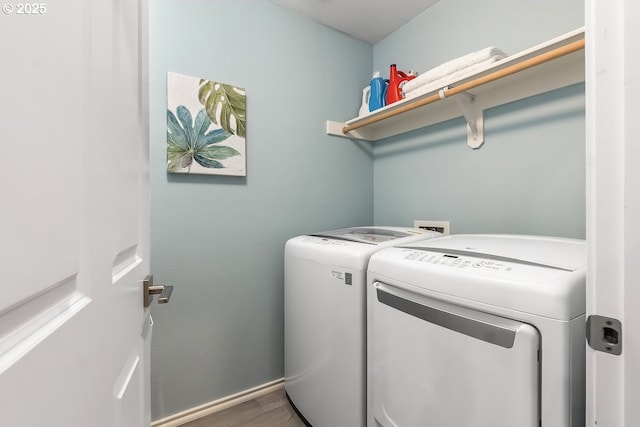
(206, 127)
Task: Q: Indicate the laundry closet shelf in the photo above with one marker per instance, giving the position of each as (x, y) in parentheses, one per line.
(561, 64)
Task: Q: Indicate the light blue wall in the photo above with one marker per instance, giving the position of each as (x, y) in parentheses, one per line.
(220, 240)
(530, 175)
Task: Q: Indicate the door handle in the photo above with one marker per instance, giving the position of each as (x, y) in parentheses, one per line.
(149, 290)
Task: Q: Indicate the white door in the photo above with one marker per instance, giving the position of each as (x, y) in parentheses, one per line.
(613, 207)
(74, 214)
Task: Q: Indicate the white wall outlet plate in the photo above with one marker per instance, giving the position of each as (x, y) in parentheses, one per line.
(440, 226)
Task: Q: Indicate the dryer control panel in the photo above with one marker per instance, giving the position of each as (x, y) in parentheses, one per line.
(461, 262)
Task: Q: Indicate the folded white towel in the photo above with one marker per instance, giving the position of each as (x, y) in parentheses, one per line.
(455, 65)
(448, 79)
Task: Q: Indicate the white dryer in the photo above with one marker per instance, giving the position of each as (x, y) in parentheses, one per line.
(324, 312)
(477, 331)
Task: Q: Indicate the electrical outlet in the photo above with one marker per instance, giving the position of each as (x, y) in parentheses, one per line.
(439, 226)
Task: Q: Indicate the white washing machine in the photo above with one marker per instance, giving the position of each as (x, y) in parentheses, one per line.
(477, 331)
(324, 312)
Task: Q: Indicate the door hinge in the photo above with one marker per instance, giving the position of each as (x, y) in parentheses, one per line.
(604, 334)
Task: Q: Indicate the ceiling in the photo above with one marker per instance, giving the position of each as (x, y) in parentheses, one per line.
(368, 20)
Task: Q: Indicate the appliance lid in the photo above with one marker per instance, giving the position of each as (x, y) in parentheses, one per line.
(562, 253)
(369, 235)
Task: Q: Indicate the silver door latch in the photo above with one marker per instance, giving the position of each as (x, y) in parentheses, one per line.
(604, 334)
(149, 290)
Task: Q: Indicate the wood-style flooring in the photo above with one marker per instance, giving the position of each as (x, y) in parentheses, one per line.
(270, 410)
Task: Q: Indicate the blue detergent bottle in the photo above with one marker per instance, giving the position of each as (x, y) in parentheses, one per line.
(378, 92)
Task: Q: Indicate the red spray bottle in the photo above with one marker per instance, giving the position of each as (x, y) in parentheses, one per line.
(394, 91)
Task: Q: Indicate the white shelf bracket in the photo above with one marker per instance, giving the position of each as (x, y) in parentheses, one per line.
(474, 115)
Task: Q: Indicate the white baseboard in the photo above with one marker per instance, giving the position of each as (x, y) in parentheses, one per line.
(201, 411)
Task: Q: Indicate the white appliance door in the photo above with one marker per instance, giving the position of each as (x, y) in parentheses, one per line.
(442, 365)
(74, 334)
